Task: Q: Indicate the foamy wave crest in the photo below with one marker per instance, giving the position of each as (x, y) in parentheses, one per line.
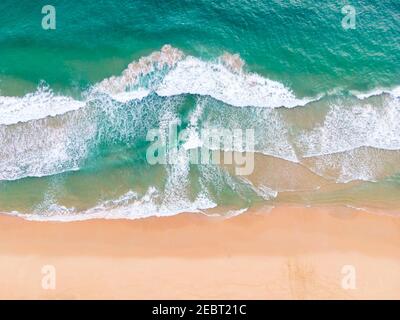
(236, 88)
(271, 134)
(119, 87)
(358, 125)
(44, 147)
(129, 206)
(53, 145)
(37, 105)
(169, 73)
(367, 164)
(395, 92)
(43, 133)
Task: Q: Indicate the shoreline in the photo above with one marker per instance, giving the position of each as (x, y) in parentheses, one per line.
(286, 253)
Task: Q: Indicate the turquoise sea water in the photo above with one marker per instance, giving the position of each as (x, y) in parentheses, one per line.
(323, 102)
(301, 43)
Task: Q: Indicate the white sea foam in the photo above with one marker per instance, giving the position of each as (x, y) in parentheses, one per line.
(366, 164)
(44, 147)
(271, 130)
(350, 127)
(126, 96)
(41, 148)
(233, 213)
(37, 105)
(240, 89)
(170, 73)
(167, 57)
(224, 79)
(129, 206)
(261, 190)
(395, 92)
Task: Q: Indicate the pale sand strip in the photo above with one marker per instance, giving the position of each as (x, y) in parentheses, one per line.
(287, 253)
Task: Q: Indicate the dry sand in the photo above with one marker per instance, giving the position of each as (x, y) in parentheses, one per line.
(290, 252)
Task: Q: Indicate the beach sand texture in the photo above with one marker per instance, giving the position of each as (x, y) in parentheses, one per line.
(287, 253)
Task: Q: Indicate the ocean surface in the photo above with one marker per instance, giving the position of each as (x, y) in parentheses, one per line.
(321, 96)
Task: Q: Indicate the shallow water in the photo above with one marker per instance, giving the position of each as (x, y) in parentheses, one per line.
(77, 104)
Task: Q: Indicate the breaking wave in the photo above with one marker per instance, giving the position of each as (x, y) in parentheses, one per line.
(335, 136)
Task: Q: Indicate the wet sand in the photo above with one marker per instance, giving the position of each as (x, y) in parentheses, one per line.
(286, 253)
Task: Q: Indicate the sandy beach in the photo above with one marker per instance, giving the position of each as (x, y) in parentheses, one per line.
(289, 253)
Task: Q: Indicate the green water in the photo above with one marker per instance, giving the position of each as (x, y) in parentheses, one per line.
(299, 44)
